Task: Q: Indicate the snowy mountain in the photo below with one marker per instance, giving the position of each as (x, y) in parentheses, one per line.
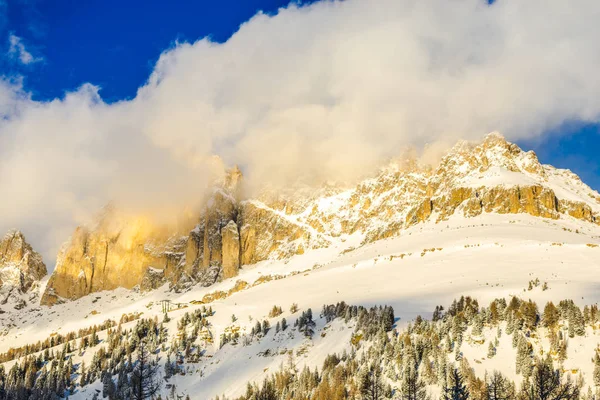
(21, 269)
(489, 222)
(494, 176)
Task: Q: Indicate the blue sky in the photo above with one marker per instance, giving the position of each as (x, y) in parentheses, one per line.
(574, 148)
(115, 44)
(123, 99)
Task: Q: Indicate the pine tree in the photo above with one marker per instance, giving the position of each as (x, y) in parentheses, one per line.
(457, 353)
(546, 384)
(144, 382)
(83, 380)
(571, 329)
(577, 320)
(371, 385)
(438, 313)
(267, 391)
(306, 325)
(413, 388)
(457, 328)
(477, 325)
(265, 327)
(524, 361)
(491, 350)
(108, 387)
(562, 350)
(498, 387)
(510, 326)
(168, 367)
(123, 386)
(3, 382)
(597, 369)
(456, 389)
(528, 311)
(551, 316)
(515, 339)
(258, 328)
(29, 379)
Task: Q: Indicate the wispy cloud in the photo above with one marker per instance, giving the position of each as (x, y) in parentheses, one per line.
(17, 51)
(324, 91)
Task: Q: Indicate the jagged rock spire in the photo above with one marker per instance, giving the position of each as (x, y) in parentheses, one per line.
(20, 265)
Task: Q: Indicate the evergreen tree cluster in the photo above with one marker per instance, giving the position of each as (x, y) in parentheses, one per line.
(381, 364)
(387, 364)
(370, 321)
(52, 375)
(53, 341)
(38, 378)
(276, 311)
(305, 323)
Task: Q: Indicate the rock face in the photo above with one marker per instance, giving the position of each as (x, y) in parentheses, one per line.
(209, 250)
(125, 251)
(266, 233)
(493, 176)
(21, 268)
(230, 250)
(117, 253)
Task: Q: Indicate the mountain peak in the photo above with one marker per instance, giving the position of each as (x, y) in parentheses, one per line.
(233, 178)
(494, 138)
(13, 234)
(12, 246)
(20, 265)
(492, 176)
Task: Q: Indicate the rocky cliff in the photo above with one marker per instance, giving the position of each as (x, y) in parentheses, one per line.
(493, 176)
(21, 268)
(117, 252)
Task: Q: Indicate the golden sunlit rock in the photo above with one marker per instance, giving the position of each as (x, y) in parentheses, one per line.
(494, 176)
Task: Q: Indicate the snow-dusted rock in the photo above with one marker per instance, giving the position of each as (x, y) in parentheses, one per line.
(20, 265)
(494, 176)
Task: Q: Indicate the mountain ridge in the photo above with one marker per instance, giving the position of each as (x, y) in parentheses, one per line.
(493, 176)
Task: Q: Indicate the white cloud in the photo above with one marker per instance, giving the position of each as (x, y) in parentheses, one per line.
(325, 91)
(18, 51)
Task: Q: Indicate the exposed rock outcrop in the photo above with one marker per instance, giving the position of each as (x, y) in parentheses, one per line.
(116, 253)
(230, 250)
(533, 200)
(20, 265)
(493, 176)
(126, 251)
(152, 279)
(267, 233)
(21, 268)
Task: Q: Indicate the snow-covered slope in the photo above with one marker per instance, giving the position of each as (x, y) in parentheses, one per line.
(487, 221)
(432, 263)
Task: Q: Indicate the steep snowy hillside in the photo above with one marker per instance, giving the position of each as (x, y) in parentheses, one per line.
(489, 222)
(485, 257)
(234, 232)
